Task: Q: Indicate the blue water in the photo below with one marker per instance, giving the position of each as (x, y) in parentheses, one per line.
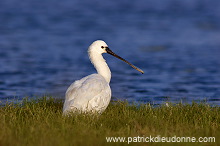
(43, 47)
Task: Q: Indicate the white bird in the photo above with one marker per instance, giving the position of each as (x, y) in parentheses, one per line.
(92, 93)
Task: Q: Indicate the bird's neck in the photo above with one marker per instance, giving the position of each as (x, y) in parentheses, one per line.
(100, 65)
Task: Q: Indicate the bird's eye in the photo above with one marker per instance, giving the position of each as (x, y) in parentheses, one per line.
(102, 47)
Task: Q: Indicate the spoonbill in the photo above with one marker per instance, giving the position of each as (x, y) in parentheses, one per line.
(92, 93)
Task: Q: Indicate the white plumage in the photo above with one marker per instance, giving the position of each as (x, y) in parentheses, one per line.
(92, 93)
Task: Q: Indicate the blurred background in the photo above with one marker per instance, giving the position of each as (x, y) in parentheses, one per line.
(43, 48)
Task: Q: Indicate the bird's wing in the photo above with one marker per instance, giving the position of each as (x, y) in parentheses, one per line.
(84, 90)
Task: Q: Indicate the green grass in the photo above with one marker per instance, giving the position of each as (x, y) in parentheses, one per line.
(40, 122)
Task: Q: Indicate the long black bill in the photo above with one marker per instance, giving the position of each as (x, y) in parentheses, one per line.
(113, 54)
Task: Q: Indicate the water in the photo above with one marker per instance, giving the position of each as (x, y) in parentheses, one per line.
(43, 48)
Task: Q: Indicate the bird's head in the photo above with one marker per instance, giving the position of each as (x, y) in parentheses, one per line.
(100, 47)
